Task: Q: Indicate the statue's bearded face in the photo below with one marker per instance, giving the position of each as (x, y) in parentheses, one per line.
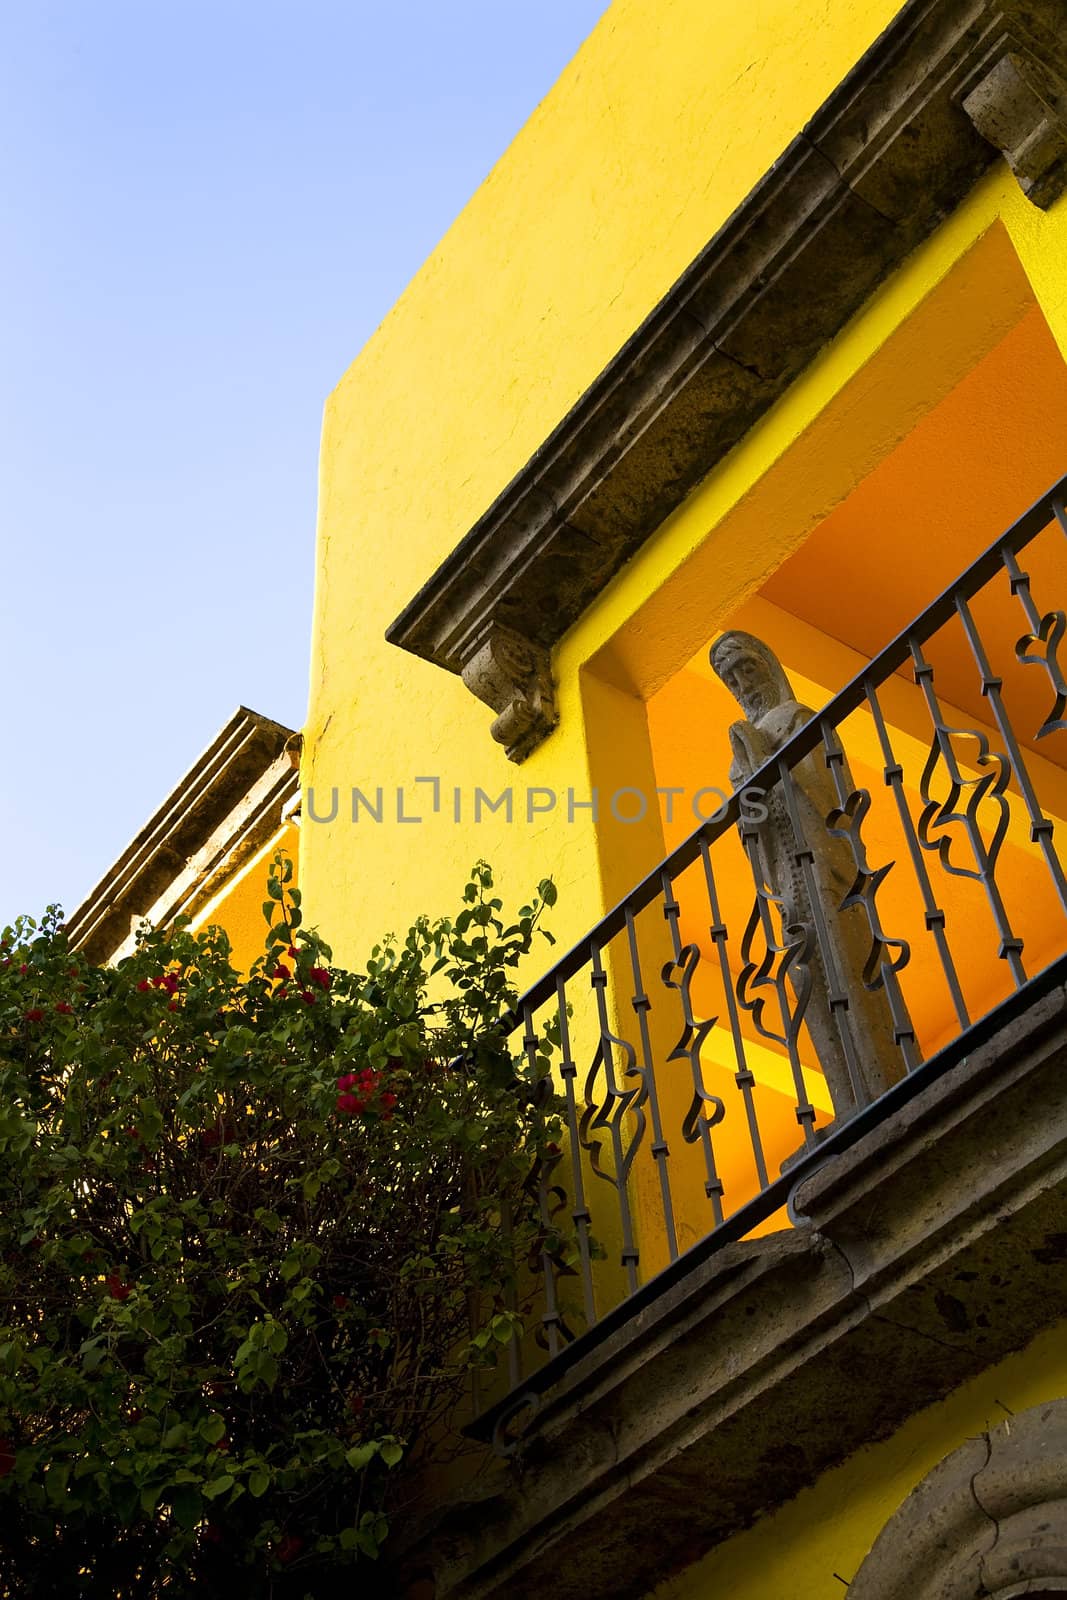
(749, 683)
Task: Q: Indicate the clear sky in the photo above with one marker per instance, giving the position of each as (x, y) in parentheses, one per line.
(207, 206)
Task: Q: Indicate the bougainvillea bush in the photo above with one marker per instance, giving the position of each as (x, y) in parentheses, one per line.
(250, 1242)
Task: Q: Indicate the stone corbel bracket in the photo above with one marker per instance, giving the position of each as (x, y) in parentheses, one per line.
(1020, 106)
(514, 676)
(948, 86)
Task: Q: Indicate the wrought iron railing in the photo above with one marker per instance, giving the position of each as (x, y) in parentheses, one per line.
(770, 974)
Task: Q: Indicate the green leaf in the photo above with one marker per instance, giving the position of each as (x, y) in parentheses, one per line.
(213, 1429)
(392, 1452)
(218, 1486)
(361, 1455)
(186, 1506)
(259, 1483)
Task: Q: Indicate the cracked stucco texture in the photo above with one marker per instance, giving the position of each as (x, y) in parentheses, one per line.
(812, 1548)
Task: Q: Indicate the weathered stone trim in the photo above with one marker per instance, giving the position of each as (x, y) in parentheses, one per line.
(991, 1519)
(892, 151)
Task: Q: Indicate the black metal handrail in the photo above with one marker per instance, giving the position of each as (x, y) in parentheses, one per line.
(799, 962)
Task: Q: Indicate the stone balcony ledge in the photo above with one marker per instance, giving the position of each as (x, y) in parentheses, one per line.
(922, 1255)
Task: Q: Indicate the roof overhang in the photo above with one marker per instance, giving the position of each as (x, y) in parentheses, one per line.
(948, 86)
(230, 802)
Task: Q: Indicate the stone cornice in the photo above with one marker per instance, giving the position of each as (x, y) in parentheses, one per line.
(226, 806)
(948, 86)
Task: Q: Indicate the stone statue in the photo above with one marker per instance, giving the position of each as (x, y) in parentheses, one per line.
(754, 676)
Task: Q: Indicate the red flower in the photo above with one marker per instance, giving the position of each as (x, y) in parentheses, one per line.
(143, 985)
(320, 976)
(7, 1457)
(280, 994)
(35, 1014)
(356, 1403)
(116, 1288)
(307, 997)
(346, 1080)
(223, 1446)
(63, 1008)
(350, 1104)
(289, 1548)
(281, 971)
(173, 1006)
(340, 1301)
(24, 969)
(170, 982)
(388, 1099)
(291, 952)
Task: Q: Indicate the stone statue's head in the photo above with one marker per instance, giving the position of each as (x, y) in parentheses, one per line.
(752, 673)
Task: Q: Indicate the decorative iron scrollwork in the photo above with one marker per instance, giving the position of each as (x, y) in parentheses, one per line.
(1049, 634)
(939, 816)
(846, 822)
(607, 1108)
(706, 1110)
(782, 962)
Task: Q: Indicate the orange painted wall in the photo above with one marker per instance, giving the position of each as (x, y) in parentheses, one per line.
(953, 482)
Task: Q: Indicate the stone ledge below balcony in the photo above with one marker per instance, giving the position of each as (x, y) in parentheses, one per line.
(927, 1252)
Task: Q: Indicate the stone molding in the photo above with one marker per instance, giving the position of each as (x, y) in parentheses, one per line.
(229, 803)
(890, 153)
(924, 1254)
(990, 1520)
(514, 676)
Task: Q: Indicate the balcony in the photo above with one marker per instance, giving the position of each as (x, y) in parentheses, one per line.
(810, 1081)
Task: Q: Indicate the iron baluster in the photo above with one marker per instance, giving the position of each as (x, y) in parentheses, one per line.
(546, 1161)
(743, 1076)
(612, 1114)
(942, 814)
(580, 1212)
(1047, 630)
(934, 914)
(1041, 830)
(659, 1149)
(882, 968)
(706, 1110)
(768, 972)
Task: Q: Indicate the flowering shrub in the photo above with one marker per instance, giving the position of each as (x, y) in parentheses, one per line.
(243, 1226)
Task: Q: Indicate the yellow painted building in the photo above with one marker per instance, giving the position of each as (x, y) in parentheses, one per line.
(760, 324)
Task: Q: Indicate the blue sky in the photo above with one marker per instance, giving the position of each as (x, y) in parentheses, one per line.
(207, 206)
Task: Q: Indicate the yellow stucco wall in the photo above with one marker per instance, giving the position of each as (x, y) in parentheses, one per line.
(651, 138)
(238, 906)
(805, 1550)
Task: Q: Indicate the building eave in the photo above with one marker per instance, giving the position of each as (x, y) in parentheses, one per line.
(224, 809)
(946, 88)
